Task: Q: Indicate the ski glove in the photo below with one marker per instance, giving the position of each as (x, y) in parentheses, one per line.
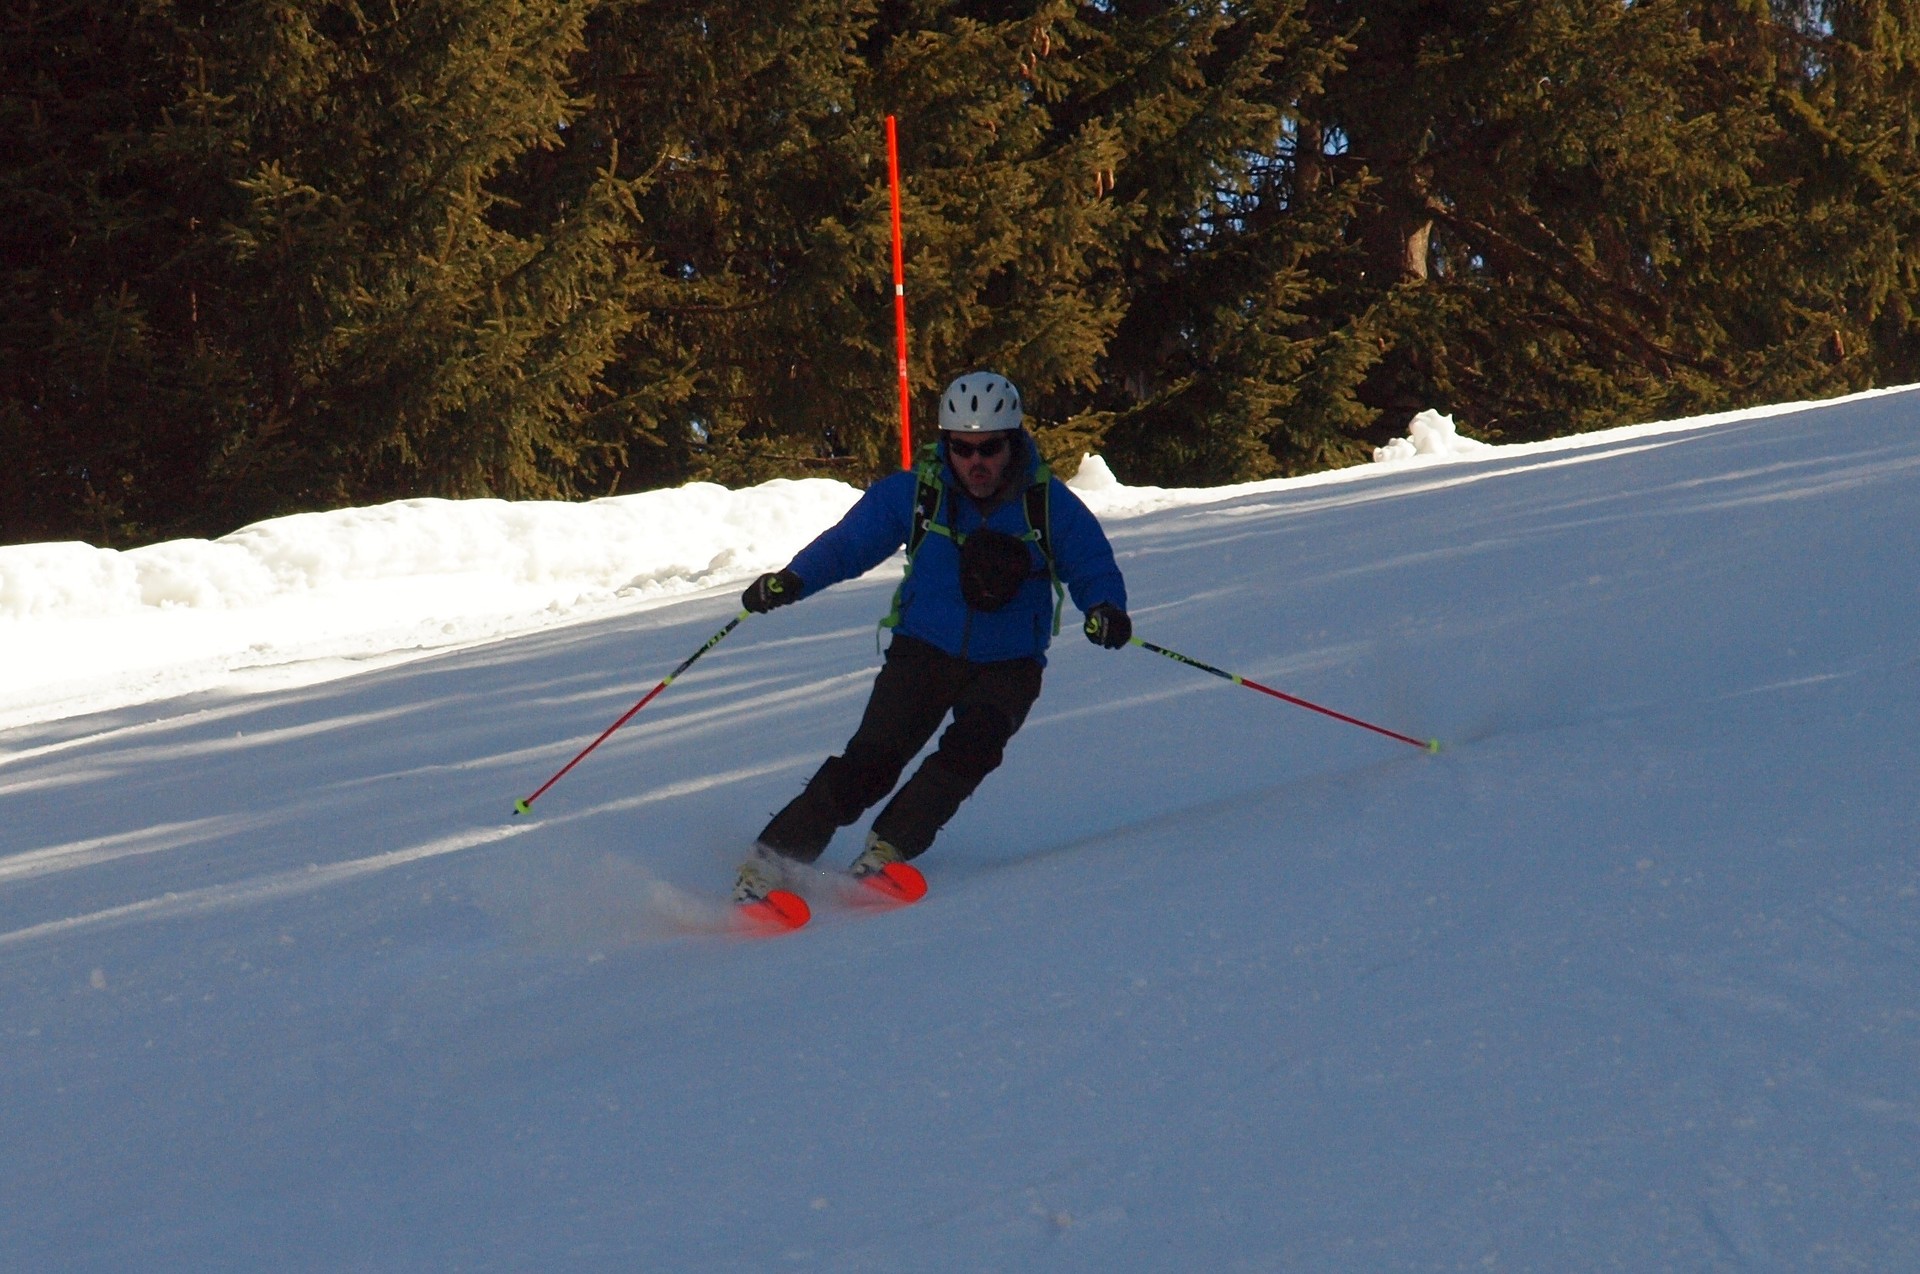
(770, 591)
(1107, 625)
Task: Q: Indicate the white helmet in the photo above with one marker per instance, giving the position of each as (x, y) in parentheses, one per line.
(980, 403)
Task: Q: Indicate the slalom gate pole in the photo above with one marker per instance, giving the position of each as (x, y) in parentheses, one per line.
(899, 294)
(522, 807)
(1430, 745)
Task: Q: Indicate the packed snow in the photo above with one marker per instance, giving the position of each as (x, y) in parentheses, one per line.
(1622, 979)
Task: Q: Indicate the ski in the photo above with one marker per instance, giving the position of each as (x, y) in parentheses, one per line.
(900, 884)
(778, 912)
(782, 910)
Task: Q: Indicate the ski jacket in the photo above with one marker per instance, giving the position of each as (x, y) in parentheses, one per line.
(931, 607)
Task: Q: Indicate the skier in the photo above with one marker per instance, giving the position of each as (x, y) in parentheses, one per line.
(990, 537)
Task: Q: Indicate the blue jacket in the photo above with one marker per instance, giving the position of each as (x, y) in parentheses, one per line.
(931, 607)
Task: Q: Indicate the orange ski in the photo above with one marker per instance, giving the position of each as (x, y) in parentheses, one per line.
(895, 883)
(780, 910)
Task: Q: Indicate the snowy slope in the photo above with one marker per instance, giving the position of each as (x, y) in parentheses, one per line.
(1624, 979)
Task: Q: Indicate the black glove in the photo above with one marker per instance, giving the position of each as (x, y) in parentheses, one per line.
(770, 591)
(1107, 625)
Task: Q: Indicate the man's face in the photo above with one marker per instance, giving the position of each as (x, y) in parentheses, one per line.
(981, 460)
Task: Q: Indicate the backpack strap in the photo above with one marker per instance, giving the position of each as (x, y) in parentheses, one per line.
(929, 493)
(1039, 506)
(929, 490)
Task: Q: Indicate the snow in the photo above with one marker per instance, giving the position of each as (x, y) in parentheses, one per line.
(319, 595)
(1429, 434)
(1622, 979)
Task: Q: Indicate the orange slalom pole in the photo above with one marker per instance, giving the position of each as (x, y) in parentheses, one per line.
(899, 295)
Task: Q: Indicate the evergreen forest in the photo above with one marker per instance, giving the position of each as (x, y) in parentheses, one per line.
(269, 256)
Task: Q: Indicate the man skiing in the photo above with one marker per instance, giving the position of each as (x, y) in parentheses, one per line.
(991, 535)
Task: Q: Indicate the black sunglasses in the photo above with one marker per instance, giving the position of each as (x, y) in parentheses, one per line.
(989, 448)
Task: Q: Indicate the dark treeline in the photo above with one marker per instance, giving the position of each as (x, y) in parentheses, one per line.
(263, 256)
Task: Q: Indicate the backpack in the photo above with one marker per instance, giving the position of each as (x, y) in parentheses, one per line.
(930, 494)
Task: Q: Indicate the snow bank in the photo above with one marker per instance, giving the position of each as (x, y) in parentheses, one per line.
(1432, 435)
(315, 595)
(651, 542)
(1093, 475)
(1431, 438)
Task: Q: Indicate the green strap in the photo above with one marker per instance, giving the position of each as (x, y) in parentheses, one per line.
(1039, 510)
(928, 493)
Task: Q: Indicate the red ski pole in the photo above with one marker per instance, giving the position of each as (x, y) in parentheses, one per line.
(522, 807)
(1431, 745)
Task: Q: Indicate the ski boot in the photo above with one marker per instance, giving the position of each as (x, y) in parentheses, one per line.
(763, 889)
(884, 871)
(874, 858)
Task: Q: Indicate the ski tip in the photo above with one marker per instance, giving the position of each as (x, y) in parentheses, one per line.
(778, 911)
(897, 882)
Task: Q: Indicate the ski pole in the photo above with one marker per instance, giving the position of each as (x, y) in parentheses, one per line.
(1431, 745)
(522, 807)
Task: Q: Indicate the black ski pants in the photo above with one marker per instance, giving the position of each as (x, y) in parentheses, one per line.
(917, 687)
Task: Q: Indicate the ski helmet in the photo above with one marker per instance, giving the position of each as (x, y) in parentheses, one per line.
(979, 403)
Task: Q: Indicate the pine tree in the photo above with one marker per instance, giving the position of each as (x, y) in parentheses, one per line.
(756, 350)
(1080, 213)
(1570, 217)
(272, 261)
(758, 133)
(263, 255)
(1849, 106)
(1014, 225)
(1208, 367)
(410, 339)
(113, 397)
